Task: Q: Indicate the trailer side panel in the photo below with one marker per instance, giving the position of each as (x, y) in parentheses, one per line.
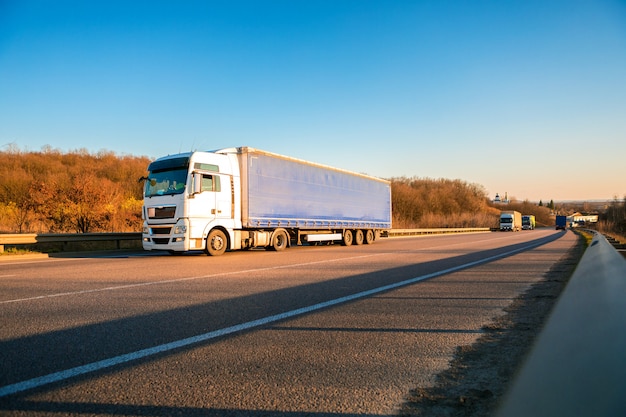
(286, 192)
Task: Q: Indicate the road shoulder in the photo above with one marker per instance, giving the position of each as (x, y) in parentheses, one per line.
(479, 374)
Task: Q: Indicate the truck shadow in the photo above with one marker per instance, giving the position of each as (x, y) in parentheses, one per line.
(72, 408)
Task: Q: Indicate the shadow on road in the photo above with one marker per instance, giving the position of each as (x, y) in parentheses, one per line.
(30, 357)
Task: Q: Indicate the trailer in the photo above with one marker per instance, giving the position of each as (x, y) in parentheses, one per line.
(561, 222)
(242, 198)
(510, 221)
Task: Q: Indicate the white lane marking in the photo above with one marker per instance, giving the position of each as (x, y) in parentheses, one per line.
(169, 281)
(140, 354)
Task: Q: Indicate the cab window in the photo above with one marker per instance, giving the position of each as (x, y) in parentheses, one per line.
(210, 183)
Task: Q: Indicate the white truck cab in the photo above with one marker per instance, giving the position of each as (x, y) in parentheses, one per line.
(187, 195)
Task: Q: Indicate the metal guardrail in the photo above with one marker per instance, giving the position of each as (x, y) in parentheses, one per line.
(577, 366)
(34, 238)
(437, 231)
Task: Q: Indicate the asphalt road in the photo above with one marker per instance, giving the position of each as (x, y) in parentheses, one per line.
(315, 331)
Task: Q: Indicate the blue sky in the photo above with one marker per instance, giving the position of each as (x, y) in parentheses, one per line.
(522, 97)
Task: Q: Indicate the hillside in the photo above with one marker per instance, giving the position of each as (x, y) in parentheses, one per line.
(74, 192)
(79, 192)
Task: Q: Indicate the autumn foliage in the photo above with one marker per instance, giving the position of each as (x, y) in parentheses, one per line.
(433, 203)
(75, 192)
(614, 220)
(80, 192)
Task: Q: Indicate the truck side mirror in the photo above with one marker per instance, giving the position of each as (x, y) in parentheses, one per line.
(197, 183)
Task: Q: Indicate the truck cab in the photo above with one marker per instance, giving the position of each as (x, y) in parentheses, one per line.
(187, 195)
(528, 222)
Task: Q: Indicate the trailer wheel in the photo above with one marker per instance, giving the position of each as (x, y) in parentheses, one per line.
(369, 236)
(346, 239)
(358, 237)
(280, 240)
(216, 243)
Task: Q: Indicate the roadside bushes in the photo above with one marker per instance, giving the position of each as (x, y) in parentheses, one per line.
(79, 192)
(613, 221)
(75, 192)
(428, 203)
(543, 215)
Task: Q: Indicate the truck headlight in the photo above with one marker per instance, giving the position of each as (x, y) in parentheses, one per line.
(180, 230)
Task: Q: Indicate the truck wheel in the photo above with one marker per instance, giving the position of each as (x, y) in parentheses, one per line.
(346, 239)
(216, 243)
(280, 240)
(358, 237)
(369, 236)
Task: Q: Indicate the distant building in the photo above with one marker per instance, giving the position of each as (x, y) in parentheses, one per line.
(498, 200)
(581, 219)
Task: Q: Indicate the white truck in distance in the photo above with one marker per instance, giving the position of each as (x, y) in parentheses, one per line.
(241, 198)
(510, 221)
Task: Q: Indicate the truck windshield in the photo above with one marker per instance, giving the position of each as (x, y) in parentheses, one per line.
(166, 182)
(506, 220)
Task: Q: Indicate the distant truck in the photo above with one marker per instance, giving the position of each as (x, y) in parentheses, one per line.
(510, 221)
(561, 222)
(528, 222)
(241, 198)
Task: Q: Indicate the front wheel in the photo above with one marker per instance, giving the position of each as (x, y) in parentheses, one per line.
(280, 240)
(216, 243)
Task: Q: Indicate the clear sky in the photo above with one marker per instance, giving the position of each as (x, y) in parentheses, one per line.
(522, 97)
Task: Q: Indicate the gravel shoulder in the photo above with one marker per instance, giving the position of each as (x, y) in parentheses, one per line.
(480, 374)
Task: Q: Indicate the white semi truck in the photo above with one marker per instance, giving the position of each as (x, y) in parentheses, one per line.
(510, 221)
(241, 198)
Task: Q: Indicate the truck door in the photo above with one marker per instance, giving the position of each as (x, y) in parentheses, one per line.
(210, 201)
(223, 197)
(212, 197)
(202, 204)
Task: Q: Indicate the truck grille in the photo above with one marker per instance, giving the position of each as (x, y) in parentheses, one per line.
(161, 212)
(161, 241)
